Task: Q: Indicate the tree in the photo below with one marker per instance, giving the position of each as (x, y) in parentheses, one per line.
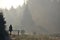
(2, 22)
(22, 32)
(34, 33)
(3, 32)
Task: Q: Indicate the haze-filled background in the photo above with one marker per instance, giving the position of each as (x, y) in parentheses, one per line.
(40, 16)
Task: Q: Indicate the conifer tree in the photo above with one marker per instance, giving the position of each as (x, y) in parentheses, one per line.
(3, 33)
(2, 22)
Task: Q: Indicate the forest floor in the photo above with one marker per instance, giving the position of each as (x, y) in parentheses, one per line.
(33, 37)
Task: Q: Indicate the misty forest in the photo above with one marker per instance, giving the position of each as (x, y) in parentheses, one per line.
(34, 20)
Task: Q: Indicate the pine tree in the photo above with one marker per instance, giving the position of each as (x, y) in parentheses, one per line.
(3, 33)
(2, 22)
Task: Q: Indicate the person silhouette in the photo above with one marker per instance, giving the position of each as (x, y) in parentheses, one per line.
(10, 29)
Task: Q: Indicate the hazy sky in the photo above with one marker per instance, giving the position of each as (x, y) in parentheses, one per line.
(8, 3)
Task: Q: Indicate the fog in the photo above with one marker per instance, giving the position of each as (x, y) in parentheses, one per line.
(46, 14)
(41, 16)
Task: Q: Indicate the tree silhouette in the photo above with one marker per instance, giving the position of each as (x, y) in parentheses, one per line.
(3, 32)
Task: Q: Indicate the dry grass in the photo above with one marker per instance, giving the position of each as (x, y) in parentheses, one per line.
(33, 37)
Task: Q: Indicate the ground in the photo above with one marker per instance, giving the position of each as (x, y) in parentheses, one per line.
(33, 37)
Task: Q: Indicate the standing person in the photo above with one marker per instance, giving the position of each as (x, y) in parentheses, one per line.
(10, 29)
